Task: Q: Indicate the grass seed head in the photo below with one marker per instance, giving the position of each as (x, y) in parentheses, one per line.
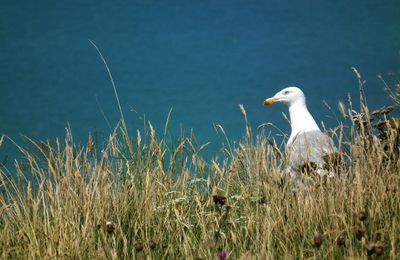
(212, 244)
(90, 143)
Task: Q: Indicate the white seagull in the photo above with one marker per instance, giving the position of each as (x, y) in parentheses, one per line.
(306, 143)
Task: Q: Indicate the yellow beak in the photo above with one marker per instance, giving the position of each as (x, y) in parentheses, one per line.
(270, 101)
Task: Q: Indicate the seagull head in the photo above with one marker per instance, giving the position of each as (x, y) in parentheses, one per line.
(287, 96)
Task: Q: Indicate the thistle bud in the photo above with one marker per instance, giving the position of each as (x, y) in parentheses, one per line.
(316, 242)
(362, 216)
(138, 246)
(375, 248)
(152, 244)
(341, 241)
(219, 200)
(110, 227)
(359, 232)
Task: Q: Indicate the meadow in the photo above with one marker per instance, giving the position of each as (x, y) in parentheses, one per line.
(138, 196)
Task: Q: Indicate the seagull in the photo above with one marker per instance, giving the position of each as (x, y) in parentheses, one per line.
(306, 144)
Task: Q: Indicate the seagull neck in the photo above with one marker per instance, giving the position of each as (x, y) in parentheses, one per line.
(300, 119)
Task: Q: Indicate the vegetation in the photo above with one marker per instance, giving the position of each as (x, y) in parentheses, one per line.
(138, 197)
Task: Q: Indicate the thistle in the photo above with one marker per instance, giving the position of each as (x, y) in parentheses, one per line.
(222, 255)
(110, 227)
(219, 200)
(316, 242)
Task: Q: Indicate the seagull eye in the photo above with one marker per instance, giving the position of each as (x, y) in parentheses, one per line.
(286, 92)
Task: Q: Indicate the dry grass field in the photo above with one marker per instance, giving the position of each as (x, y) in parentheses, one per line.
(137, 197)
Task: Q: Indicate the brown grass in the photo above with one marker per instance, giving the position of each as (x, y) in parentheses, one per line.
(137, 197)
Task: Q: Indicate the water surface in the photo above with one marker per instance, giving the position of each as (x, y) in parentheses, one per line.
(201, 58)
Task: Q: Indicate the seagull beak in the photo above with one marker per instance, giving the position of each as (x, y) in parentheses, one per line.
(270, 101)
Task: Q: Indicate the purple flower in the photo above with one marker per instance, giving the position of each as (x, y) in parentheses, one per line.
(222, 255)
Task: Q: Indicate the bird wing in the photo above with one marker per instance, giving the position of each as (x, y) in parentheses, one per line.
(310, 147)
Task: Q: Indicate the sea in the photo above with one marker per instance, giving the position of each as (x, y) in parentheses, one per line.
(197, 59)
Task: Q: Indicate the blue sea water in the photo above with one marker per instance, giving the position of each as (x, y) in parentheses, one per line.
(201, 58)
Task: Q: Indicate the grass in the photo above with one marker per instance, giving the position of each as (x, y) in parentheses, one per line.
(137, 197)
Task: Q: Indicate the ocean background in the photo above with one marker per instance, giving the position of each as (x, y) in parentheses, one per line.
(200, 58)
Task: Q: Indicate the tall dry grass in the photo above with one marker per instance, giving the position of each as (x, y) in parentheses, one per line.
(138, 197)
